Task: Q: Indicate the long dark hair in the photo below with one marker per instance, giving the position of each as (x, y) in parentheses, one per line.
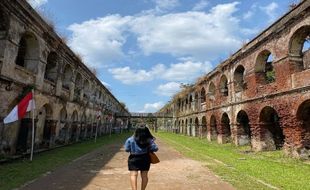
(143, 136)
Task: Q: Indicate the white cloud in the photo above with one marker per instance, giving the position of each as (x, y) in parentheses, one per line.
(152, 107)
(168, 89)
(162, 5)
(37, 3)
(250, 13)
(200, 5)
(101, 40)
(184, 71)
(128, 76)
(190, 34)
(270, 10)
(196, 34)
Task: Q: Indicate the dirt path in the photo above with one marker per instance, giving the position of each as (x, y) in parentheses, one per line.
(106, 169)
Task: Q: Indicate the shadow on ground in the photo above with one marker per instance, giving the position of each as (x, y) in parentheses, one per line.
(79, 173)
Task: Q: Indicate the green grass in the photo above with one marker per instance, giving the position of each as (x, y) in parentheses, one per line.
(244, 170)
(19, 172)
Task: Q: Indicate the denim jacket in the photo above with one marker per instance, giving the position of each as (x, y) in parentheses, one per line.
(132, 147)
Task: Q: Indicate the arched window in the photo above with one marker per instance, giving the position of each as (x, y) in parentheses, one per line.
(190, 101)
(224, 86)
(78, 86)
(299, 48)
(28, 52)
(211, 91)
(86, 89)
(179, 104)
(239, 83)
(5, 22)
(196, 101)
(22, 48)
(67, 77)
(264, 70)
(51, 67)
(203, 95)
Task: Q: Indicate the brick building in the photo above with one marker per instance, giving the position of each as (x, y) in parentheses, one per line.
(68, 95)
(259, 96)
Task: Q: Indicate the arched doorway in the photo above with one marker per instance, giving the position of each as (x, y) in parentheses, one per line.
(191, 128)
(186, 128)
(204, 127)
(89, 127)
(24, 135)
(197, 128)
(183, 127)
(273, 137)
(45, 125)
(226, 131)
(303, 115)
(64, 127)
(243, 128)
(74, 127)
(83, 127)
(213, 128)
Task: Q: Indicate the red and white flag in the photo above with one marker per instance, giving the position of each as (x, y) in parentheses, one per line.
(19, 111)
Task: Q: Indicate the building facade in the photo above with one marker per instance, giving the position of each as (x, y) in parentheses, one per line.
(69, 97)
(259, 96)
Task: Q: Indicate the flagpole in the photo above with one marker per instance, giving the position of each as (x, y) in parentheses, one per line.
(32, 113)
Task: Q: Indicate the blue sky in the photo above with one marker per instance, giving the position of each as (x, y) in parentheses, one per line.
(144, 49)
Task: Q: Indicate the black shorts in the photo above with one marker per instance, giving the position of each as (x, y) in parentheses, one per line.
(139, 162)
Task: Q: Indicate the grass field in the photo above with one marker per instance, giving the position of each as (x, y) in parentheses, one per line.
(242, 168)
(17, 173)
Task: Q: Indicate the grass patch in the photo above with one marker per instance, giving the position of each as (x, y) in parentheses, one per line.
(241, 167)
(13, 175)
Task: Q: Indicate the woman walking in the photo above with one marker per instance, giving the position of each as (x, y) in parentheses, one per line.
(139, 145)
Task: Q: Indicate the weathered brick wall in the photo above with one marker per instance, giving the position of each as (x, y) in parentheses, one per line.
(61, 109)
(271, 107)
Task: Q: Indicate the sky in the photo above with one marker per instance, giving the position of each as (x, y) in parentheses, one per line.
(143, 50)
